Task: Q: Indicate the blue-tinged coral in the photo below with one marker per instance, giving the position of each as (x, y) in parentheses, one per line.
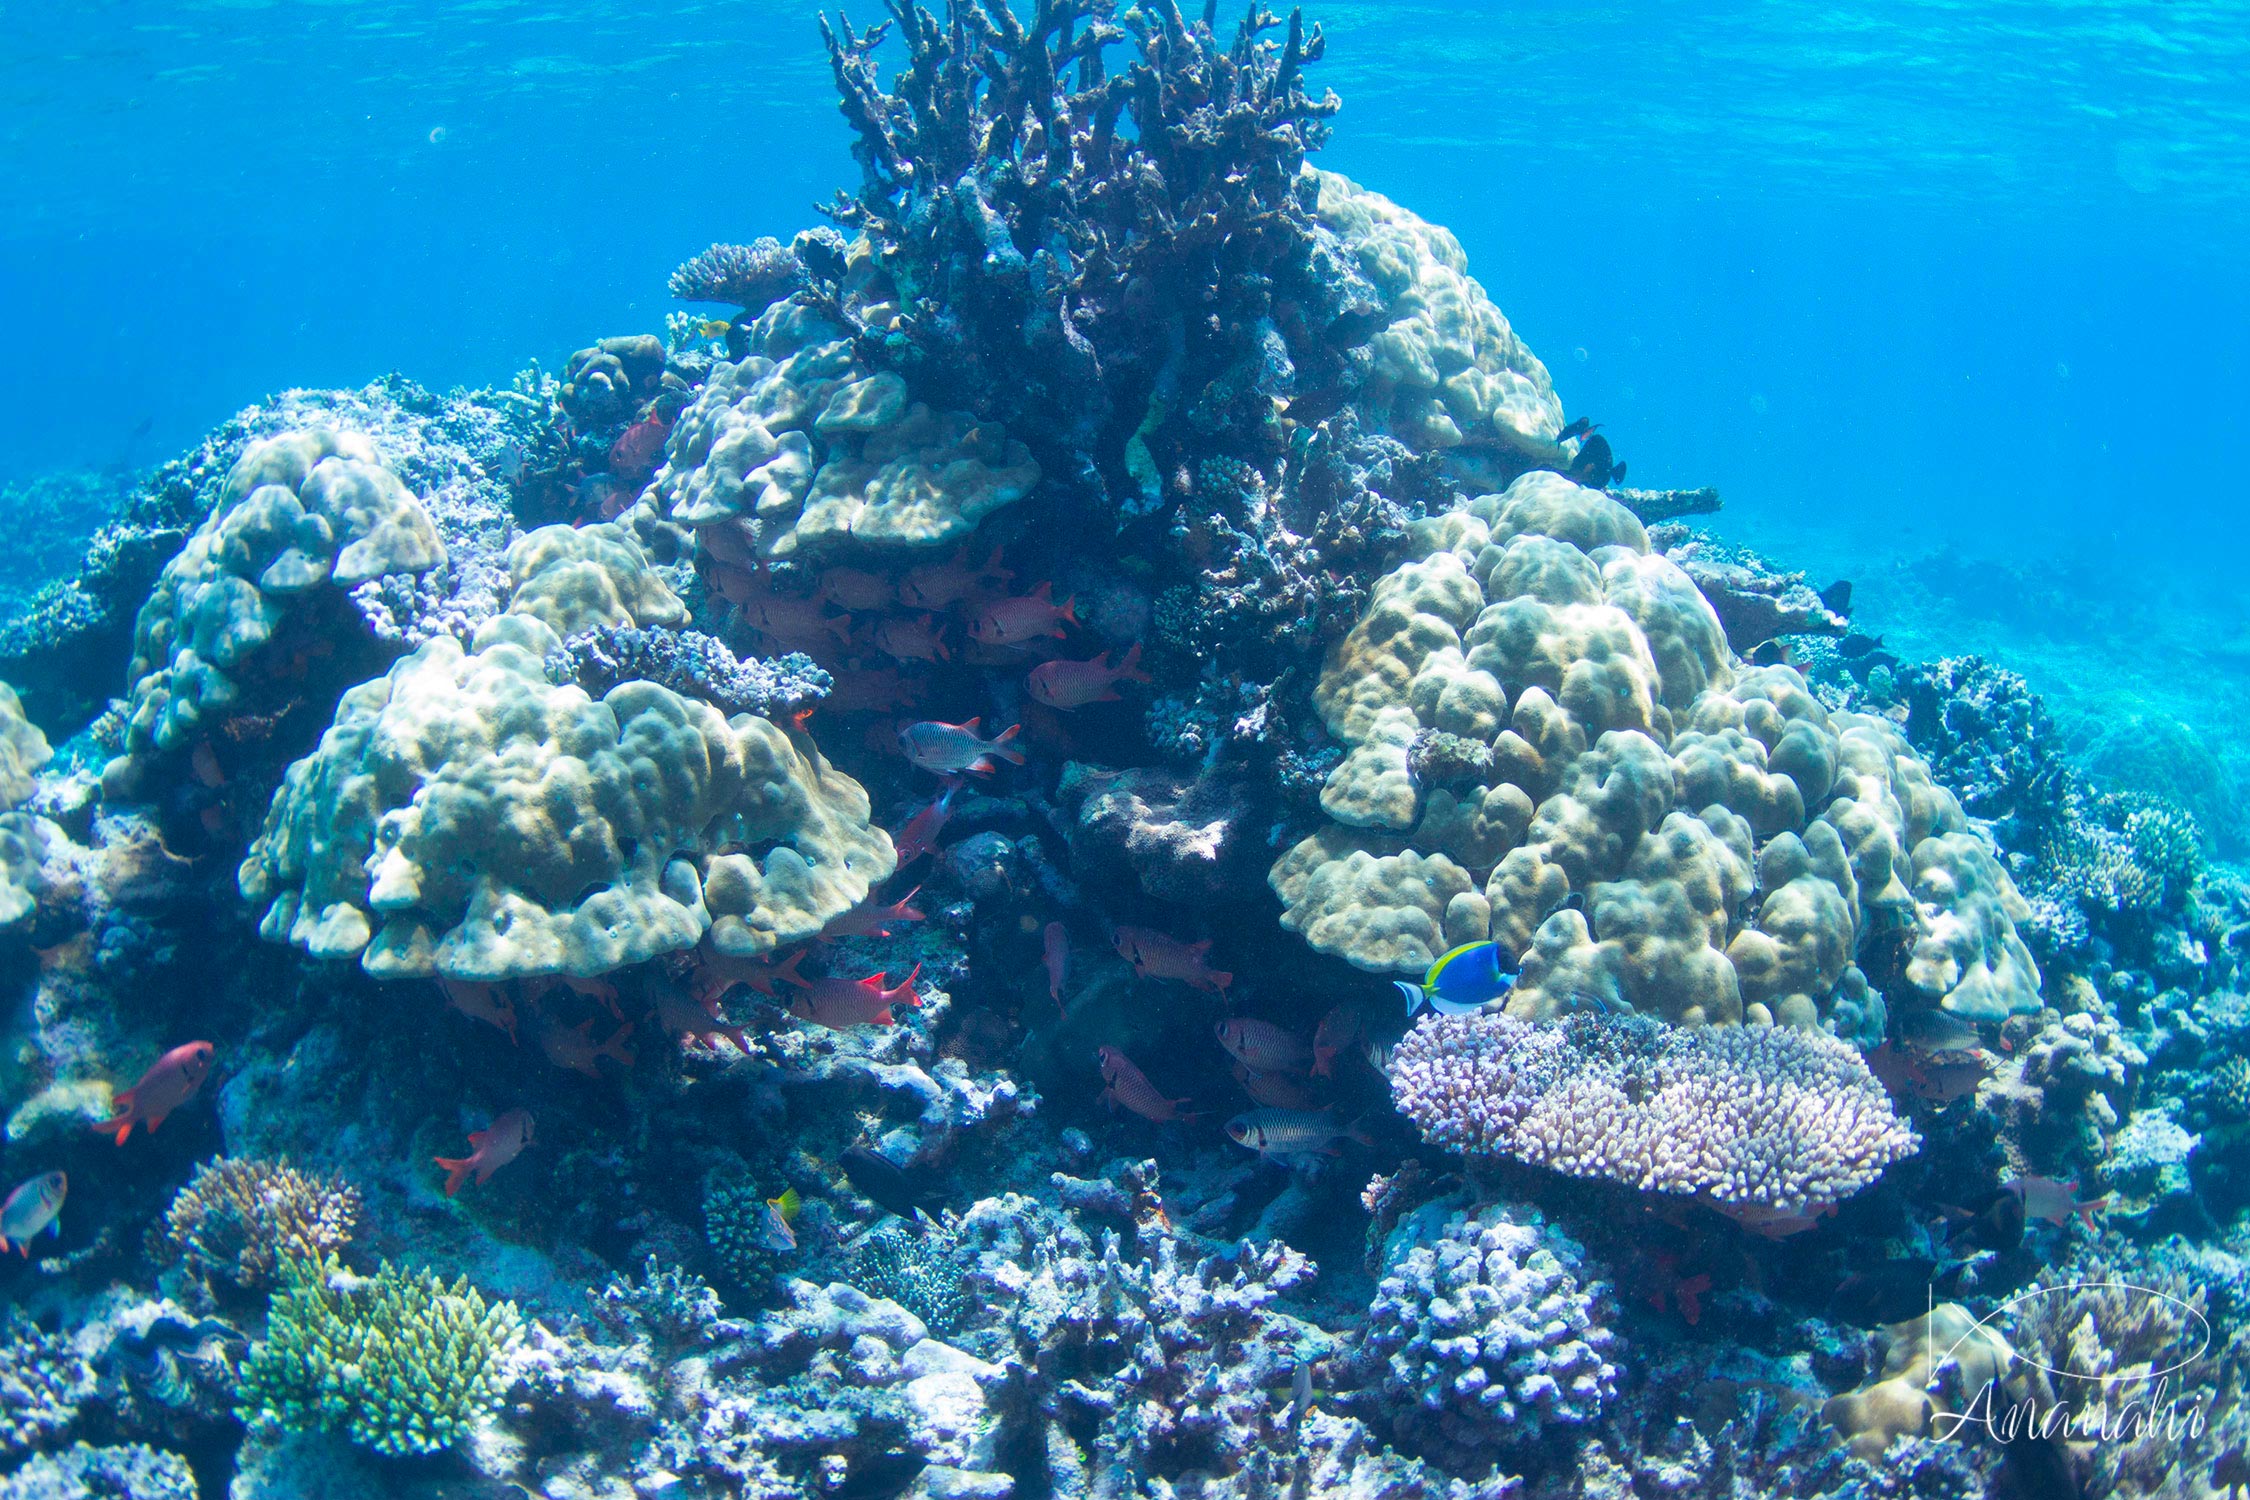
(914, 1267)
(754, 276)
(399, 1362)
(691, 664)
(242, 1220)
(42, 1384)
(80, 1472)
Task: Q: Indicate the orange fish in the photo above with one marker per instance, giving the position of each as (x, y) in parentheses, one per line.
(941, 585)
(573, 1047)
(869, 919)
(162, 1089)
(680, 1015)
(856, 588)
(1074, 684)
(1129, 1087)
(481, 1002)
(920, 835)
(1007, 622)
(490, 1149)
(1263, 1046)
(837, 1003)
(716, 973)
(918, 639)
(1159, 955)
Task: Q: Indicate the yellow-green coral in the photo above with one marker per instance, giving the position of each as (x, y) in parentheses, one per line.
(400, 1362)
(1537, 707)
(807, 451)
(242, 1219)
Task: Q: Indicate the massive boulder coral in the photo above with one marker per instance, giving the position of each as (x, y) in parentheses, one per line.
(800, 449)
(1763, 1121)
(1549, 743)
(1446, 372)
(467, 817)
(299, 516)
(23, 749)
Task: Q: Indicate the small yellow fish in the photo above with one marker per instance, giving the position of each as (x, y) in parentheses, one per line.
(712, 328)
(774, 1232)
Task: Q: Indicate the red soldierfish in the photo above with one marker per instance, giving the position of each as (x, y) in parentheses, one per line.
(1159, 955)
(868, 919)
(2046, 1198)
(1074, 684)
(1776, 1223)
(1336, 1032)
(573, 1047)
(679, 1015)
(870, 692)
(162, 1089)
(1291, 1132)
(938, 585)
(955, 749)
(481, 1002)
(837, 1003)
(855, 588)
(490, 1149)
(918, 639)
(716, 973)
(795, 621)
(1263, 1046)
(920, 835)
(33, 1206)
(1009, 622)
(1275, 1090)
(1129, 1087)
(1054, 946)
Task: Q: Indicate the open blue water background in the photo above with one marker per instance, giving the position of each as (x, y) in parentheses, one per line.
(1893, 276)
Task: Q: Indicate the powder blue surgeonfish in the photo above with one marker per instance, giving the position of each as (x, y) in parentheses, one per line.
(1465, 979)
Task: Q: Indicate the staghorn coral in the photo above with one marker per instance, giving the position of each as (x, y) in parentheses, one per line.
(674, 1310)
(42, 1384)
(1764, 1120)
(400, 1362)
(691, 664)
(1485, 1332)
(1540, 715)
(915, 1269)
(466, 817)
(244, 1219)
(299, 515)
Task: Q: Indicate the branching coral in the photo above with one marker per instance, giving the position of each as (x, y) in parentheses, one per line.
(400, 1362)
(42, 1383)
(915, 1270)
(691, 664)
(1763, 1120)
(244, 1219)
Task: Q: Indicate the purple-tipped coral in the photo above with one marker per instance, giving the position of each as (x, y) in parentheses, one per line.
(1761, 1120)
(752, 277)
(691, 664)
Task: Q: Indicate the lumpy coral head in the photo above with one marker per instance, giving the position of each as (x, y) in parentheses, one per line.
(465, 817)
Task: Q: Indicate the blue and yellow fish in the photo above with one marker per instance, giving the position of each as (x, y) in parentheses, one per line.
(1464, 979)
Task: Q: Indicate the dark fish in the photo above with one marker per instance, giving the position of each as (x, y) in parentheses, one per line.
(1356, 328)
(1837, 597)
(1317, 406)
(1595, 466)
(1996, 1224)
(1577, 429)
(885, 1185)
(1772, 654)
(1855, 645)
(1617, 473)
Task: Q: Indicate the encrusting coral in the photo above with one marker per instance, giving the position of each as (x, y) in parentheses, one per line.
(1550, 744)
(400, 1362)
(1763, 1122)
(244, 1219)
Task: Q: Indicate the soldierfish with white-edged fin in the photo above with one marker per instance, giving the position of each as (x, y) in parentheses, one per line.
(33, 1206)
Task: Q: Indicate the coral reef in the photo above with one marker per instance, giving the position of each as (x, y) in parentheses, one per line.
(243, 1220)
(42, 1384)
(691, 664)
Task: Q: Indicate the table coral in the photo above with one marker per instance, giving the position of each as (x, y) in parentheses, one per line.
(1759, 1118)
(467, 817)
(1548, 742)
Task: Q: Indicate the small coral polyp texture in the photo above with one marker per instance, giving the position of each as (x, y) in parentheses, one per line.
(1650, 824)
(467, 817)
(800, 450)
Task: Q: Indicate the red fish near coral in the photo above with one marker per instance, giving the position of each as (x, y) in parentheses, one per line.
(573, 1047)
(490, 1149)
(1336, 1032)
(1129, 1088)
(868, 919)
(2046, 1198)
(919, 638)
(1159, 955)
(920, 835)
(939, 585)
(481, 1002)
(162, 1089)
(795, 622)
(1264, 1046)
(1074, 684)
(716, 973)
(1009, 622)
(632, 458)
(837, 1003)
(855, 588)
(958, 749)
(1274, 1090)
(691, 1020)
